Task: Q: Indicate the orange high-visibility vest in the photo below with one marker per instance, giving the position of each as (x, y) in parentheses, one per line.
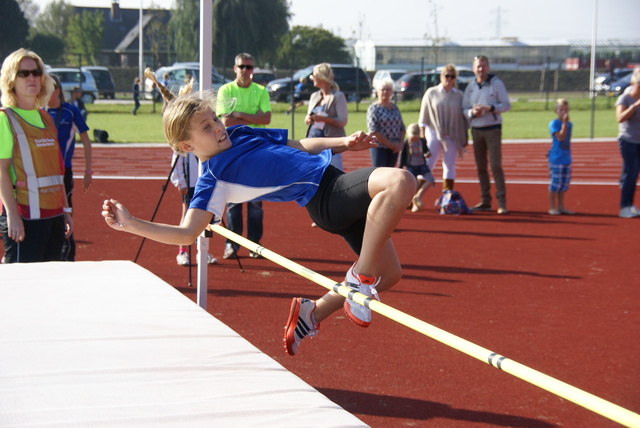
(38, 166)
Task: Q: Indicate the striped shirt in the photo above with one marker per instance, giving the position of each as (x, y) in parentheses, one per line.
(491, 92)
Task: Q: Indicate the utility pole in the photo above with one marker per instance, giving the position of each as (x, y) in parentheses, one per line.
(140, 48)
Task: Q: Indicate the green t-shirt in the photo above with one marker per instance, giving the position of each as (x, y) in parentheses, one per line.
(252, 99)
(6, 133)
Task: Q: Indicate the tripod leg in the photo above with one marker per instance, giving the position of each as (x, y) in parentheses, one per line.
(155, 211)
(189, 254)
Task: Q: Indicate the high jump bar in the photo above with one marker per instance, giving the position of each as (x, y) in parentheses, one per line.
(582, 398)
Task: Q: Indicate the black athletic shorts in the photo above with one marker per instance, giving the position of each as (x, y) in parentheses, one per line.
(340, 205)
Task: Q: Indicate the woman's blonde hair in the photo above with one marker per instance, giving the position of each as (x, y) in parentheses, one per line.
(176, 119)
(324, 72)
(8, 76)
(451, 68)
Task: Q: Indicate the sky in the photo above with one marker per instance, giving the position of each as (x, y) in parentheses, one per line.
(457, 20)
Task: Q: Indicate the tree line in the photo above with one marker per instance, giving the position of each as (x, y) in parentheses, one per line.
(261, 27)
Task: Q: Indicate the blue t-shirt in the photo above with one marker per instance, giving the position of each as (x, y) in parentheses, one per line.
(69, 123)
(560, 152)
(258, 166)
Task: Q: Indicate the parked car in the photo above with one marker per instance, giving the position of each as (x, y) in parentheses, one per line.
(177, 73)
(353, 81)
(616, 88)
(604, 82)
(262, 76)
(104, 80)
(71, 78)
(394, 75)
(414, 84)
(465, 76)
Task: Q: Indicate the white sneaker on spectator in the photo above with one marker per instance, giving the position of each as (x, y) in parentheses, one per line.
(182, 258)
(629, 212)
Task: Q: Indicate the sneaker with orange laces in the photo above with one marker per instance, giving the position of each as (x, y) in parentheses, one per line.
(359, 314)
(301, 323)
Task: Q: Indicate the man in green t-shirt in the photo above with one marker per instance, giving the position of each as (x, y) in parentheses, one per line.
(243, 102)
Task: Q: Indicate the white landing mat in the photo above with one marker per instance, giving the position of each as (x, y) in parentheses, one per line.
(109, 344)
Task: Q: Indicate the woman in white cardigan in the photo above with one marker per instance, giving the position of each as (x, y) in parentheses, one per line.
(443, 124)
(327, 112)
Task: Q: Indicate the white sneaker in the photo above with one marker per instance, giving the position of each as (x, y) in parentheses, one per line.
(182, 258)
(229, 252)
(300, 324)
(211, 260)
(629, 212)
(359, 314)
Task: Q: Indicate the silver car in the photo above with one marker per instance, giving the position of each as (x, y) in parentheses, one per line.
(71, 78)
(176, 76)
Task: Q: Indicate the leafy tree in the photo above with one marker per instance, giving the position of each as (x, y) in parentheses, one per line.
(156, 35)
(30, 10)
(84, 36)
(185, 27)
(253, 26)
(54, 19)
(307, 45)
(50, 47)
(14, 29)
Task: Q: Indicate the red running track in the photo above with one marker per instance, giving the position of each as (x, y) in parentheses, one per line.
(594, 162)
(558, 294)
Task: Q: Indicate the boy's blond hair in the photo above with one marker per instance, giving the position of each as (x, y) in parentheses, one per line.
(176, 121)
(561, 102)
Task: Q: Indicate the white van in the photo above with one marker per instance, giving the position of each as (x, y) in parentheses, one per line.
(71, 78)
(393, 74)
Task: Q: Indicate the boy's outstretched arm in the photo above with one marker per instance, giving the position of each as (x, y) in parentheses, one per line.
(357, 141)
(118, 217)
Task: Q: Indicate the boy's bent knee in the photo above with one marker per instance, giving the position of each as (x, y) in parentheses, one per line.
(399, 181)
(406, 182)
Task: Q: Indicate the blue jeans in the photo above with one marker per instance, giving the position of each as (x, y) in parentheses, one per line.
(381, 156)
(630, 168)
(254, 221)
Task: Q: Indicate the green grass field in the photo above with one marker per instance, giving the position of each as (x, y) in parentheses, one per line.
(529, 118)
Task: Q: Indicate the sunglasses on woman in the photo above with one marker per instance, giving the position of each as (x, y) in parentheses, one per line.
(25, 73)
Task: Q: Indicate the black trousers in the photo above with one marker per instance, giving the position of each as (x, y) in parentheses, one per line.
(42, 243)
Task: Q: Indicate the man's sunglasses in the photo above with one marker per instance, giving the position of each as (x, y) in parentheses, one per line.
(242, 67)
(25, 73)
